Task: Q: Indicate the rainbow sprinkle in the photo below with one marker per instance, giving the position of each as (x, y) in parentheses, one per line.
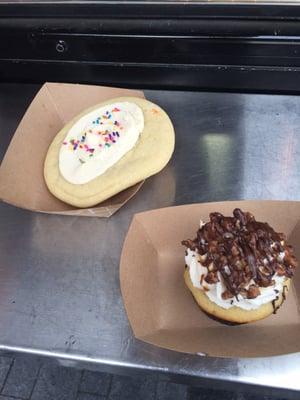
(107, 137)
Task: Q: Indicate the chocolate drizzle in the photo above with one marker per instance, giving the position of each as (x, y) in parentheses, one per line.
(284, 290)
(274, 305)
(245, 252)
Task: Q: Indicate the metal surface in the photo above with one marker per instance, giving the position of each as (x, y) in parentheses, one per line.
(59, 276)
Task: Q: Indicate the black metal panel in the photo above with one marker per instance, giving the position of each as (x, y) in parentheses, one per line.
(216, 78)
(148, 8)
(218, 26)
(158, 45)
(151, 49)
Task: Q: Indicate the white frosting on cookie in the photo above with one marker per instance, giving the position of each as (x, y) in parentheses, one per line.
(98, 140)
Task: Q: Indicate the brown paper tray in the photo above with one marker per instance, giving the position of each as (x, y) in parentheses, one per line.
(162, 311)
(21, 172)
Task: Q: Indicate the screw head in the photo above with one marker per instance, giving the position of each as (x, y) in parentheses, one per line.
(61, 46)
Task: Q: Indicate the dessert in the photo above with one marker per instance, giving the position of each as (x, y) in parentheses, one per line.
(106, 149)
(238, 269)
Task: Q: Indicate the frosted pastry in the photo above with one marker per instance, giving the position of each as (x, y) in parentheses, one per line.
(238, 269)
(106, 149)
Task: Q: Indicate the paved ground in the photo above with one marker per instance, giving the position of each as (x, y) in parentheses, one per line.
(33, 379)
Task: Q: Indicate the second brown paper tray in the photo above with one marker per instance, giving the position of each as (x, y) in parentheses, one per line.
(161, 309)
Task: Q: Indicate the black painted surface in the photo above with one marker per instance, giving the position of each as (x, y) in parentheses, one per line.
(174, 45)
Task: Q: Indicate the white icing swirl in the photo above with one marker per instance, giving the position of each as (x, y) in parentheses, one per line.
(98, 140)
(214, 291)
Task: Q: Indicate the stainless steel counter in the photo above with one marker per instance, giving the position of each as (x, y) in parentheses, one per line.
(59, 276)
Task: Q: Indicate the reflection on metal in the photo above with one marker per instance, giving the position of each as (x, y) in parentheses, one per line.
(218, 147)
(59, 276)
